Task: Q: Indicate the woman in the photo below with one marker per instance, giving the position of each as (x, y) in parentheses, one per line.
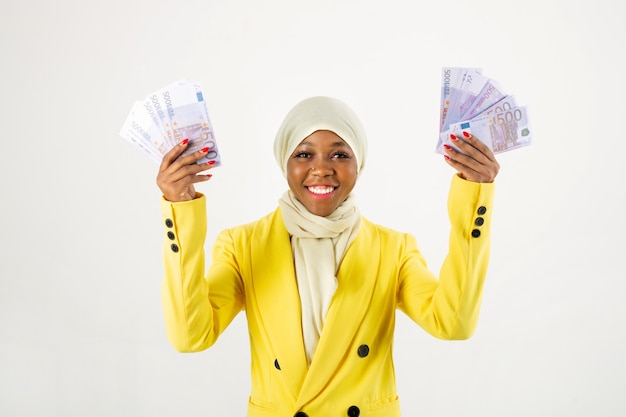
(319, 283)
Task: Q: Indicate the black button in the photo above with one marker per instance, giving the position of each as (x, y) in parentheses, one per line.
(475, 233)
(363, 351)
(479, 221)
(482, 210)
(276, 364)
(300, 414)
(171, 235)
(354, 411)
(169, 223)
(174, 247)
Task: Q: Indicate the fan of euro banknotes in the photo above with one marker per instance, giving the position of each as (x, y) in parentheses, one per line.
(166, 117)
(474, 103)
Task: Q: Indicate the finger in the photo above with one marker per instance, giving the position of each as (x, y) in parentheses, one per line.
(186, 160)
(171, 180)
(170, 167)
(194, 179)
(187, 182)
(180, 186)
(183, 189)
(470, 155)
(463, 170)
(188, 165)
(191, 170)
(467, 150)
(172, 154)
(469, 168)
(480, 146)
(172, 160)
(488, 166)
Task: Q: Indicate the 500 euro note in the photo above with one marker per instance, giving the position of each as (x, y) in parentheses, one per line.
(167, 116)
(190, 122)
(470, 101)
(490, 94)
(464, 94)
(502, 131)
(163, 101)
(138, 130)
(451, 80)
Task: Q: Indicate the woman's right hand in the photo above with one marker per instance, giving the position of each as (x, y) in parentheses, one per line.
(178, 175)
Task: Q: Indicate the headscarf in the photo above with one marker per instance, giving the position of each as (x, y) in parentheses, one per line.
(318, 243)
(320, 113)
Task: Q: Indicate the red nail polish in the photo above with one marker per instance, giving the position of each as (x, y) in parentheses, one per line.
(211, 163)
(467, 135)
(204, 150)
(184, 142)
(209, 175)
(447, 147)
(447, 157)
(453, 137)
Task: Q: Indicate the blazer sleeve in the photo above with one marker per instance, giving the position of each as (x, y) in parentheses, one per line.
(196, 311)
(448, 307)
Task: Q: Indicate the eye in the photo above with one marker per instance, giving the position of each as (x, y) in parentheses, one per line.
(341, 155)
(301, 155)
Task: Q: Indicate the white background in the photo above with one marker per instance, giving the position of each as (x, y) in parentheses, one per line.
(81, 327)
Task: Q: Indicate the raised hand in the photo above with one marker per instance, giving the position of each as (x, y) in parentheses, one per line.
(474, 161)
(177, 176)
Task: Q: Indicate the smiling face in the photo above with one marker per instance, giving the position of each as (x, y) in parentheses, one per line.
(321, 172)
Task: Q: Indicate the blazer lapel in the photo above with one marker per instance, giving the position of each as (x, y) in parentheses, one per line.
(356, 282)
(278, 300)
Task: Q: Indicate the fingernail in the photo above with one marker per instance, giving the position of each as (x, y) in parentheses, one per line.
(211, 162)
(184, 142)
(447, 147)
(447, 157)
(204, 150)
(453, 137)
(209, 175)
(467, 135)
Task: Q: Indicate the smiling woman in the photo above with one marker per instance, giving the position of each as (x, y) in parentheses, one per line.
(322, 172)
(321, 284)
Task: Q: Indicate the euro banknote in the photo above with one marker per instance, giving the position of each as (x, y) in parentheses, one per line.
(463, 94)
(167, 116)
(501, 131)
(470, 99)
(451, 79)
(138, 130)
(490, 94)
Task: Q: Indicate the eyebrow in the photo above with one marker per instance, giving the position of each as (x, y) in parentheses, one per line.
(337, 144)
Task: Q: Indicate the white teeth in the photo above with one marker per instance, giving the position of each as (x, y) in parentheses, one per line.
(321, 190)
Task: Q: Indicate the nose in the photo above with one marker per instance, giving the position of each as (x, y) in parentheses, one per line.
(322, 169)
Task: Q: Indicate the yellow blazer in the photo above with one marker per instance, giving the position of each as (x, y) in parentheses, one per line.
(352, 373)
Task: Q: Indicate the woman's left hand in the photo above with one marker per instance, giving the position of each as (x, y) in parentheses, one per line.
(475, 161)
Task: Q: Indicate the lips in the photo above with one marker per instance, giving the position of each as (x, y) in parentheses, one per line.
(321, 189)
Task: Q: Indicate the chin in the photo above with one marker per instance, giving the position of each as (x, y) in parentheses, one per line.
(322, 212)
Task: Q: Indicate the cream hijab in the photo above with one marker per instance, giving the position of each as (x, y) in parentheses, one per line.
(318, 243)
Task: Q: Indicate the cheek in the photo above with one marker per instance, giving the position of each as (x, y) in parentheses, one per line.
(349, 175)
(295, 174)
